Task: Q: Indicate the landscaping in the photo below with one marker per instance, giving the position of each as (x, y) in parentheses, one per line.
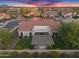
(59, 44)
(4, 54)
(50, 54)
(24, 43)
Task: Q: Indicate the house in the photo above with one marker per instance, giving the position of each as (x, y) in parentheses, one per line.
(40, 29)
(4, 16)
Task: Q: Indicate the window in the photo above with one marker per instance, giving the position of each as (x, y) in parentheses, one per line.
(30, 34)
(21, 34)
(55, 34)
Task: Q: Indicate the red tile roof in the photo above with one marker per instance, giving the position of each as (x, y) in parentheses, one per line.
(28, 25)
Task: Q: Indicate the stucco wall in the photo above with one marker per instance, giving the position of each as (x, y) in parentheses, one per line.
(25, 33)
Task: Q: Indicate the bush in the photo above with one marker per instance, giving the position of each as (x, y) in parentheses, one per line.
(44, 55)
(25, 55)
(14, 54)
(4, 54)
(54, 54)
(35, 55)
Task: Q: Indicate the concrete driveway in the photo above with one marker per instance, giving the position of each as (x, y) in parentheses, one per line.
(42, 40)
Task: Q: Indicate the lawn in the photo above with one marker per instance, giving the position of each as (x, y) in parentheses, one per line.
(24, 43)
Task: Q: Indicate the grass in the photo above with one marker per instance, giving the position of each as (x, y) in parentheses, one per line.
(24, 43)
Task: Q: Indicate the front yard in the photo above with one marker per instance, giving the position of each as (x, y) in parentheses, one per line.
(24, 43)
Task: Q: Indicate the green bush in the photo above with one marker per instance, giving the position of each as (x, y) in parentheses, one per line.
(54, 54)
(14, 54)
(35, 55)
(25, 55)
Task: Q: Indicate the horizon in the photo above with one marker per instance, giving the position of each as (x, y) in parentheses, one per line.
(37, 3)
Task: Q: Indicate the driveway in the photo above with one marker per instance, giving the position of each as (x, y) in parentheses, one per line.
(43, 40)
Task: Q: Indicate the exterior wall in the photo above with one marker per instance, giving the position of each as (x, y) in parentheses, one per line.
(25, 33)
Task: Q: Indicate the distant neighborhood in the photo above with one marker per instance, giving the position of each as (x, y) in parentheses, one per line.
(39, 28)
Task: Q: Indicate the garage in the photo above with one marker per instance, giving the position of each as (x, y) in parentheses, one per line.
(41, 29)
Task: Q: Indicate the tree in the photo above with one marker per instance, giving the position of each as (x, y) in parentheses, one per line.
(41, 10)
(69, 33)
(54, 54)
(14, 54)
(5, 37)
(24, 11)
(25, 55)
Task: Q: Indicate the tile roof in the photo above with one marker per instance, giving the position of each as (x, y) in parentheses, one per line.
(28, 25)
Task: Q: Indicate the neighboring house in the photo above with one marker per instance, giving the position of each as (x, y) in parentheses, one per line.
(4, 16)
(41, 31)
(50, 13)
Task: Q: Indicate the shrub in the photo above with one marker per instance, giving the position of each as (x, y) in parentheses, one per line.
(14, 54)
(44, 55)
(54, 54)
(25, 55)
(35, 54)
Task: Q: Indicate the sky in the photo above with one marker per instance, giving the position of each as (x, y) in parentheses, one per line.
(40, 2)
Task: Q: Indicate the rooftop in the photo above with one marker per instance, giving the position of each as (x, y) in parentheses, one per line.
(28, 25)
